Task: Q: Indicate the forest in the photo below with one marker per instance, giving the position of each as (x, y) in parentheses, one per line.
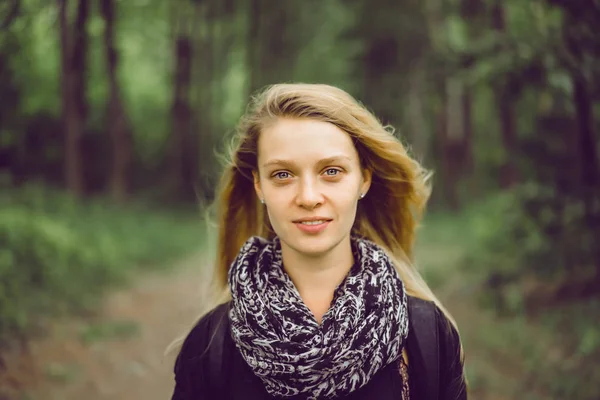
(115, 114)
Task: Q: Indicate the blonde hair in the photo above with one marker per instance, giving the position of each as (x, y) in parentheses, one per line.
(388, 216)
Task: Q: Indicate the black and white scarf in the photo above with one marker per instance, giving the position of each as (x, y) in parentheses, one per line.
(364, 330)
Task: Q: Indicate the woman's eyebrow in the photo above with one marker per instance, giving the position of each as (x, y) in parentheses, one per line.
(290, 163)
(334, 160)
(279, 163)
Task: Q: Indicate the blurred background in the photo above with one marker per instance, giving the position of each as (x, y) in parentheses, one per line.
(113, 114)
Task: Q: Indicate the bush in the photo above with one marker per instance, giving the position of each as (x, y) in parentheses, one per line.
(58, 255)
(531, 235)
(551, 353)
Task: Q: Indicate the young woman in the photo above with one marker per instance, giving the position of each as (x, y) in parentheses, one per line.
(319, 298)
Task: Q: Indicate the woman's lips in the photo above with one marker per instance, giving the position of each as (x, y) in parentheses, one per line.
(312, 226)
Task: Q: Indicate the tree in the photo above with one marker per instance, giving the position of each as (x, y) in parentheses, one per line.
(73, 43)
(184, 149)
(273, 43)
(505, 103)
(13, 11)
(253, 46)
(117, 123)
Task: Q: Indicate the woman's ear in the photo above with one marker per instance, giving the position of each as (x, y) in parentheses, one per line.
(367, 179)
(257, 188)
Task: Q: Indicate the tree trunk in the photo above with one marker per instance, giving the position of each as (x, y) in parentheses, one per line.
(117, 125)
(10, 15)
(454, 133)
(419, 133)
(208, 101)
(254, 45)
(467, 115)
(588, 162)
(505, 111)
(509, 138)
(587, 137)
(273, 50)
(584, 113)
(184, 152)
(74, 105)
(224, 31)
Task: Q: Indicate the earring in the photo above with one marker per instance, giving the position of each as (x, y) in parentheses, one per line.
(362, 195)
(262, 201)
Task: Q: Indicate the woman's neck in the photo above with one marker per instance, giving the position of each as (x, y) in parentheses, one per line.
(316, 278)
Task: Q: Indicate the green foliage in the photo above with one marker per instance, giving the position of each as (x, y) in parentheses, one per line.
(109, 330)
(59, 255)
(35, 64)
(143, 42)
(332, 23)
(62, 373)
(507, 236)
(530, 240)
(551, 354)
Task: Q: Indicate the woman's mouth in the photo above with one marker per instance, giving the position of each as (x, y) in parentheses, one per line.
(312, 226)
(316, 222)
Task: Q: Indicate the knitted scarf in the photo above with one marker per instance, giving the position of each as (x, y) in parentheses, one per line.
(364, 329)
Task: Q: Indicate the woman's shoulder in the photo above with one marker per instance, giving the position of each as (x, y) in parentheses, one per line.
(200, 337)
(437, 345)
(447, 329)
(427, 310)
(436, 331)
(450, 341)
(191, 369)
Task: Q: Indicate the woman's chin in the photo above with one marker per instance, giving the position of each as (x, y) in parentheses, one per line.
(311, 246)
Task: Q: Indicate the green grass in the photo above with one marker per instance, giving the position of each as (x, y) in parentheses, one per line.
(58, 255)
(108, 330)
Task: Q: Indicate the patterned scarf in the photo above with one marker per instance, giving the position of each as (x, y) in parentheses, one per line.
(364, 330)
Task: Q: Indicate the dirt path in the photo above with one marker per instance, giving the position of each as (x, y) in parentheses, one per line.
(121, 356)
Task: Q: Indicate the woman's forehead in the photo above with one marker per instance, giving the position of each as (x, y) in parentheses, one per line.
(291, 139)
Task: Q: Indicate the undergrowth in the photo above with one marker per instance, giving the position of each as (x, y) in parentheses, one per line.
(58, 255)
(545, 352)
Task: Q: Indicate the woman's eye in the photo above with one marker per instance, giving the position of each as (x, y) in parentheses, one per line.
(282, 175)
(332, 172)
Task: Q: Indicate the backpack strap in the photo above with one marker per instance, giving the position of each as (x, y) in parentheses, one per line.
(423, 346)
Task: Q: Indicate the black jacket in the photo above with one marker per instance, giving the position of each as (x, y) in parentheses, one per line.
(193, 371)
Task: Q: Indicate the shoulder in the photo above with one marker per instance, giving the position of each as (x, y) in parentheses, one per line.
(427, 313)
(190, 366)
(433, 336)
(453, 382)
(450, 341)
(448, 332)
(202, 334)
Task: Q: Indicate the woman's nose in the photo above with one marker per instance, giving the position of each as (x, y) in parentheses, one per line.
(309, 194)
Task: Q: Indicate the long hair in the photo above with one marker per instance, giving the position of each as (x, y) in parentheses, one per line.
(388, 216)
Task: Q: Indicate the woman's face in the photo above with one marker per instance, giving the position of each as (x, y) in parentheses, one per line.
(310, 178)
